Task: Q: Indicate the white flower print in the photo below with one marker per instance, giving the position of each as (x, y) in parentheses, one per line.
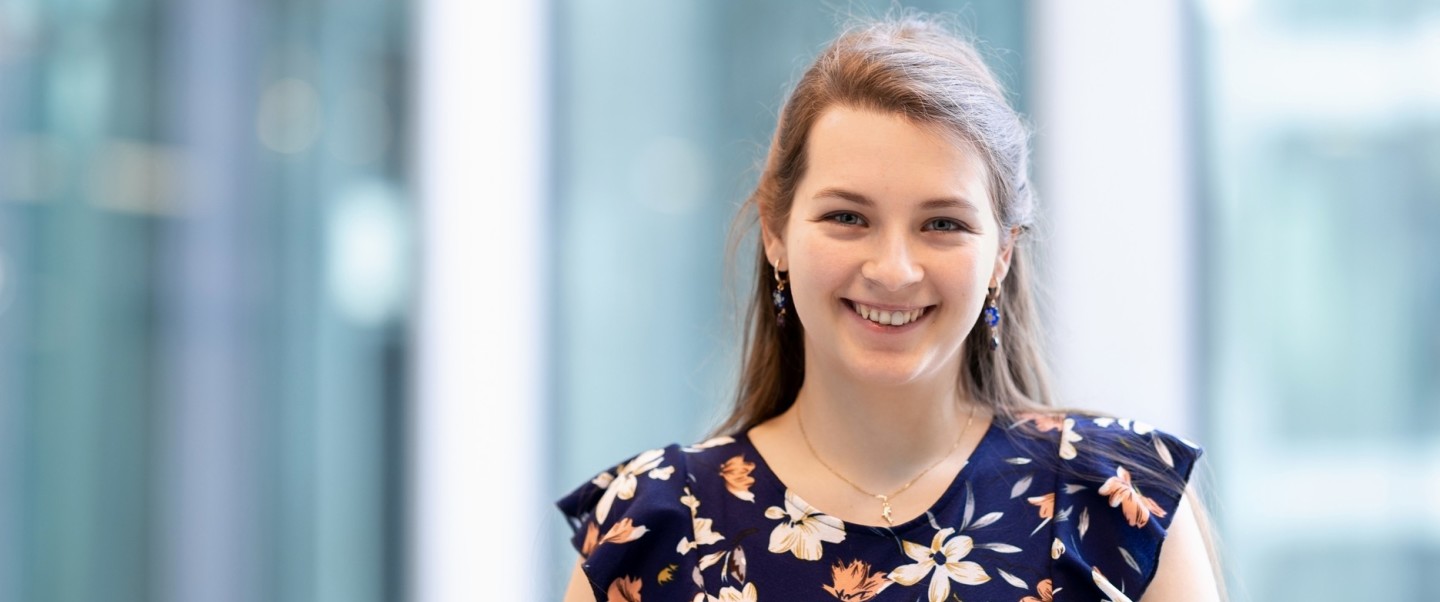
(1135, 426)
(802, 529)
(708, 443)
(953, 550)
(1068, 438)
(1108, 588)
(704, 532)
(704, 535)
(622, 485)
(731, 594)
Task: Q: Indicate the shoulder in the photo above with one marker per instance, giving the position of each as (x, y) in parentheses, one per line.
(1099, 444)
(620, 518)
(642, 480)
(1118, 486)
(634, 523)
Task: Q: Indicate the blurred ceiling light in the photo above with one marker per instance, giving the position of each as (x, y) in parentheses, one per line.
(289, 119)
(1324, 77)
(1227, 12)
(368, 253)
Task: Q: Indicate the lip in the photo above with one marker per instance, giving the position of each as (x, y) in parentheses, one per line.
(887, 307)
(883, 329)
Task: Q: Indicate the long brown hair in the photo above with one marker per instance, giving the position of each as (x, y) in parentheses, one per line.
(916, 67)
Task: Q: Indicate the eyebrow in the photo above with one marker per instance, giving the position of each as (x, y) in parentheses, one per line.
(860, 199)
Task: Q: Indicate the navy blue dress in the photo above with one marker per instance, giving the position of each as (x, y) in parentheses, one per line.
(1049, 507)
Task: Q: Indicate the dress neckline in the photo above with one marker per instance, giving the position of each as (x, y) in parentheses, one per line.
(773, 482)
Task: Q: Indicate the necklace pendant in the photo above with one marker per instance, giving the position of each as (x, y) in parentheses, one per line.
(885, 510)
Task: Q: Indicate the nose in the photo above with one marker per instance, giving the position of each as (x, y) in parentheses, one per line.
(892, 265)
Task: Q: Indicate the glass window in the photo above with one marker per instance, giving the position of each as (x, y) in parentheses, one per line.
(1323, 156)
(203, 266)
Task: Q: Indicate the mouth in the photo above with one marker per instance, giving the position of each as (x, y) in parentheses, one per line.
(888, 318)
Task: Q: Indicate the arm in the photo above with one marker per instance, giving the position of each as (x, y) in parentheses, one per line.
(1186, 571)
(579, 589)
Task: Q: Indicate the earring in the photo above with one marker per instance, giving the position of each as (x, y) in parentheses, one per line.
(992, 316)
(778, 297)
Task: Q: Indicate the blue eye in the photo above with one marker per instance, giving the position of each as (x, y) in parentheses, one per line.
(846, 219)
(947, 225)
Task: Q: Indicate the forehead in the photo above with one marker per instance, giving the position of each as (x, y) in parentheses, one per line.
(891, 158)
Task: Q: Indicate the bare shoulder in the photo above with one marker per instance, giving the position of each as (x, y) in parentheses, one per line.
(579, 588)
(1187, 569)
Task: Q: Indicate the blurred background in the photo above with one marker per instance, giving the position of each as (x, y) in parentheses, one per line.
(326, 301)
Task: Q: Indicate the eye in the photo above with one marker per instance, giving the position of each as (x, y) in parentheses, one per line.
(845, 218)
(947, 225)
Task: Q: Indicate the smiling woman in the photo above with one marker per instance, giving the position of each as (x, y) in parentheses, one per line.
(866, 242)
(894, 436)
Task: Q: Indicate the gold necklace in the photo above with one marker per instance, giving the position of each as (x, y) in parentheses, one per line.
(884, 499)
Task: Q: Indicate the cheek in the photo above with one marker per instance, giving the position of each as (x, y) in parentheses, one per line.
(817, 269)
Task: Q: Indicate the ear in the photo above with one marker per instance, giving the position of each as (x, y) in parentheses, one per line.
(774, 246)
(1002, 259)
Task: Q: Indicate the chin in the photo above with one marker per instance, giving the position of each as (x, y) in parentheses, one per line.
(895, 372)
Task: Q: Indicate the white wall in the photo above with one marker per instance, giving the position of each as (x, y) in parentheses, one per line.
(1110, 108)
(478, 462)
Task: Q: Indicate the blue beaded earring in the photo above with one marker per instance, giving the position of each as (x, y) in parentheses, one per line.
(778, 297)
(992, 316)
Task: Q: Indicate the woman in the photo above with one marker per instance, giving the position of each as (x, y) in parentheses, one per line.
(894, 436)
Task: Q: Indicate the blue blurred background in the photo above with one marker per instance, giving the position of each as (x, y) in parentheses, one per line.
(328, 301)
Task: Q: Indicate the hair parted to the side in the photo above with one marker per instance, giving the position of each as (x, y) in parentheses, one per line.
(915, 66)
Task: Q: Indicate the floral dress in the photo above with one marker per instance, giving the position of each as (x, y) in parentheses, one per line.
(1048, 508)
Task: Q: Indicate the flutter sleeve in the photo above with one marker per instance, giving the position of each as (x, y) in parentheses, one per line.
(627, 525)
(1114, 503)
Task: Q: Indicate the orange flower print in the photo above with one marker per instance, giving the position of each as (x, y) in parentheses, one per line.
(592, 539)
(737, 477)
(1045, 592)
(1054, 422)
(1124, 494)
(1046, 504)
(1043, 422)
(854, 582)
(624, 589)
(623, 532)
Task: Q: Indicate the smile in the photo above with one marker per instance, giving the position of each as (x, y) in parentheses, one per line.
(888, 317)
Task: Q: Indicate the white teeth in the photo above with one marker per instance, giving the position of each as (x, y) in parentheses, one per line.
(889, 318)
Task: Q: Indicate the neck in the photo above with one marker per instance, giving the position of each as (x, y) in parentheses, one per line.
(882, 434)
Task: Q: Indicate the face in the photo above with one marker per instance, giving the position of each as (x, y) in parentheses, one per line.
(890, 246)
